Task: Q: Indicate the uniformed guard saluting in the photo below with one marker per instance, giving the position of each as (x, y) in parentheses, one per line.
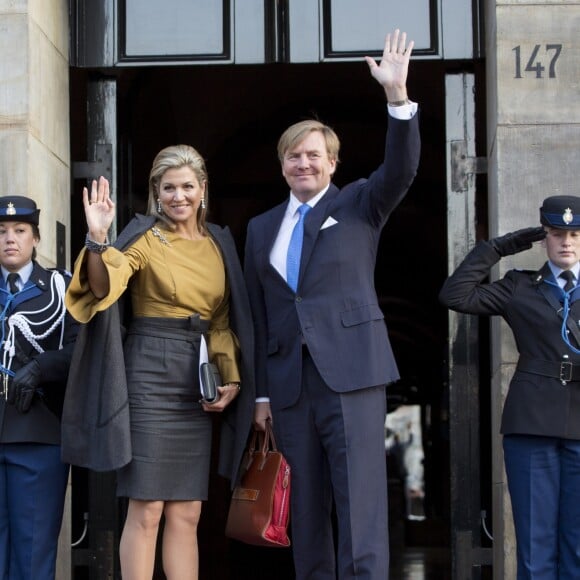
(36, 340)
(541, 416)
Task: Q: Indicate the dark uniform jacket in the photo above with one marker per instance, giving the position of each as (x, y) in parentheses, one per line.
(40, 304)
(536, 404)
(96, 429)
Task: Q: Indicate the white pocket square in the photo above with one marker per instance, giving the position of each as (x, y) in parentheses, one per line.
(330, 221)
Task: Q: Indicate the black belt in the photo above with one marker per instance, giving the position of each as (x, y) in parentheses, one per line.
(186, 329)
(564, 371)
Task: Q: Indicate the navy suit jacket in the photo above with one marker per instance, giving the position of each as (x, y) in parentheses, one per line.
(335, 310)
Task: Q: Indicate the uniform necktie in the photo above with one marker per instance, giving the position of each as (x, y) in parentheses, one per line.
(569, 277)
(295, 248)
(12, 280)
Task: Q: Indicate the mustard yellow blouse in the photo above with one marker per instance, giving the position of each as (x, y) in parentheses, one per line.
(167, 276)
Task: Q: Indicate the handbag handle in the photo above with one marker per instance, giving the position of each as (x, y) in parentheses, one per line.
(261, 442)
(269, 442)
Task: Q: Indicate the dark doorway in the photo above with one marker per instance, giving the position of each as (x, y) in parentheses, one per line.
(234, 115)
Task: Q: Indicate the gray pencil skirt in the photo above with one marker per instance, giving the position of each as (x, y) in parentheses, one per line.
(170, 432)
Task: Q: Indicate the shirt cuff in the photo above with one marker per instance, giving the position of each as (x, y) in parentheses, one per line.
(262, 399)
(404, 112)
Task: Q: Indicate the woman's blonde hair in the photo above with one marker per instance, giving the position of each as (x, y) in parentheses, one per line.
(175, 157)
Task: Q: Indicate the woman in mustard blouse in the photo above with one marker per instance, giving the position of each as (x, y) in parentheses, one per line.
(180, 291)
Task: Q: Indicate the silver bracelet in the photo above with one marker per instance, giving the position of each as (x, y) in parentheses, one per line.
(96, 247)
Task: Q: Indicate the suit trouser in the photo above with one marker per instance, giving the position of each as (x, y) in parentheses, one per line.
(544, 483)
(32, 489)
(335, 446)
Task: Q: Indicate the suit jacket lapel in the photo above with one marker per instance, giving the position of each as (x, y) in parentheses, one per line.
(268, 234)
(272, 227)
(312, 224)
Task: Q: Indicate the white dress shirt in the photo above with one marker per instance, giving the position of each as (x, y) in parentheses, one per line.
(280, 247)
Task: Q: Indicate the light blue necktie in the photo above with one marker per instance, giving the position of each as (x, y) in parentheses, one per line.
(295, 248)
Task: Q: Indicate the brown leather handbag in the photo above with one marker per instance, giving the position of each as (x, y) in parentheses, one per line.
(259, 509)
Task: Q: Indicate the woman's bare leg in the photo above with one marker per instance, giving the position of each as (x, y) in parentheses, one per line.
(138, 540)
(180, 550)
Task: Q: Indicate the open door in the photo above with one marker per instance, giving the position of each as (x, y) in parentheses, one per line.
(468, 517)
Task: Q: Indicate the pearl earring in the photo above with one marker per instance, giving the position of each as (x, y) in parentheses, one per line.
(203, 203)
(159, 208)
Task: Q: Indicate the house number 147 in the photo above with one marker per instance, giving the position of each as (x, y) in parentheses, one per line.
(535, 64)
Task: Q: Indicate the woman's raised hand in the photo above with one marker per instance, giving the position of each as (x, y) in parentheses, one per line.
(99, 209)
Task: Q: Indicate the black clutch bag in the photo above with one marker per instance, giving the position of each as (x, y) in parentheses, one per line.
(210, 381)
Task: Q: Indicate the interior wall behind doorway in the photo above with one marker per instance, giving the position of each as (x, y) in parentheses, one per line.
(234, 115)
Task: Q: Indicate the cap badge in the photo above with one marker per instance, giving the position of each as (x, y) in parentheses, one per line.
(567, 216)
(10, 210)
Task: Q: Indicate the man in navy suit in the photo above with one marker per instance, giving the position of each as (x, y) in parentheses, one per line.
(323, 354)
